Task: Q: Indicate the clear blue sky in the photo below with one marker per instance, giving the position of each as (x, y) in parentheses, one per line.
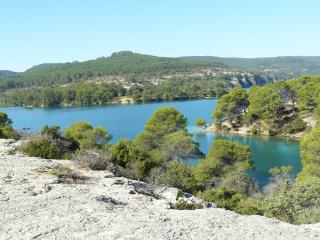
(38, 31)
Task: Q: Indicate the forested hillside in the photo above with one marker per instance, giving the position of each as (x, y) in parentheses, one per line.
(144, 78)
(284, 67)
(127, 64)
(7, 73)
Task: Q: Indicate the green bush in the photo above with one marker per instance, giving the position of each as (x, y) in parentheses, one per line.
(95, 160)
(222, 197)
(50, 144)
(42, 148)
(67, 175)
(8, 132)
(200, 122)
(223, 157)
(181, 177)
(232, 200)
(127, 155)
(310, 152)
(296, 125)
(298, 205)
(87, 136)
(184, 205)
(255, 131)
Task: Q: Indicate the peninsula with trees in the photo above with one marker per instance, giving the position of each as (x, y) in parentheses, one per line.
(283, 108)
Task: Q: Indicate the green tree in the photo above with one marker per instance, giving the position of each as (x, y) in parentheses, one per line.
(231, 106)
(200, 122)
(128, 156)
(267, 105)
(307, 90)
(88, 136)
(280, 178)
(4, 119)
(310, 155)
(166, 139)
(6, 130)
(166, 120)
(50, 97)
(223, 157)
(179, 146)
(180, 176)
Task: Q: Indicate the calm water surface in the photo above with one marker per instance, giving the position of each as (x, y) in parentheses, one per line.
(127, 121)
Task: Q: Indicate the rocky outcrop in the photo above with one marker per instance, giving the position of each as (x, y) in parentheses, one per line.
(34, 204)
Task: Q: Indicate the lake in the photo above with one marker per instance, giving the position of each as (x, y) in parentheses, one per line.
(127, 121)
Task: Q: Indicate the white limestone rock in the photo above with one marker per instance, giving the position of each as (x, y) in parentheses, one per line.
(33, 205)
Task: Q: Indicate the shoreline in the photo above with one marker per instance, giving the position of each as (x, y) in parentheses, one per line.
(247, 130)
(211, 129)
(112, 103)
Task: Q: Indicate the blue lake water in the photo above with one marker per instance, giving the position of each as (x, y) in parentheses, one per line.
(127, 121)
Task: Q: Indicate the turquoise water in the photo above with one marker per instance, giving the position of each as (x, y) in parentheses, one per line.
(128, 121)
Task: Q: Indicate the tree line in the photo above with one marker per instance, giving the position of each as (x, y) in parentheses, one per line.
(278, 108)
(91, 93)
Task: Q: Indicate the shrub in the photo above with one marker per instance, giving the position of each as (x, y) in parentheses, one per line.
(296, 125)
(200, 122)
(281, 177)
(223, 156)
(310, 152)
(66, 175)
(181, 177)
(222, 197)
(11, 151)
(87, 136)
(123, 152)
(240, 182)
(8, 132)
(127, 155)
(4, 119)
(255, 131)
(232, 200)
(101, 160)
(42, 148)
(50, 144)
(184, 205)
(298, 205)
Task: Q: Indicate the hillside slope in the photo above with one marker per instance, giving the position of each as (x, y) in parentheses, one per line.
(7, 73)
(128, 66)
(283, 67)
(35, 205)
(123, 64)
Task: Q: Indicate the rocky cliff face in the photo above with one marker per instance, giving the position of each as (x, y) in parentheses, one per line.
(247, 80)
(36, 204)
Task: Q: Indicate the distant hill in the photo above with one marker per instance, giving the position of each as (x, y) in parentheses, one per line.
(127, 68)
(120, 64)
(7, 73)
(294, 66)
